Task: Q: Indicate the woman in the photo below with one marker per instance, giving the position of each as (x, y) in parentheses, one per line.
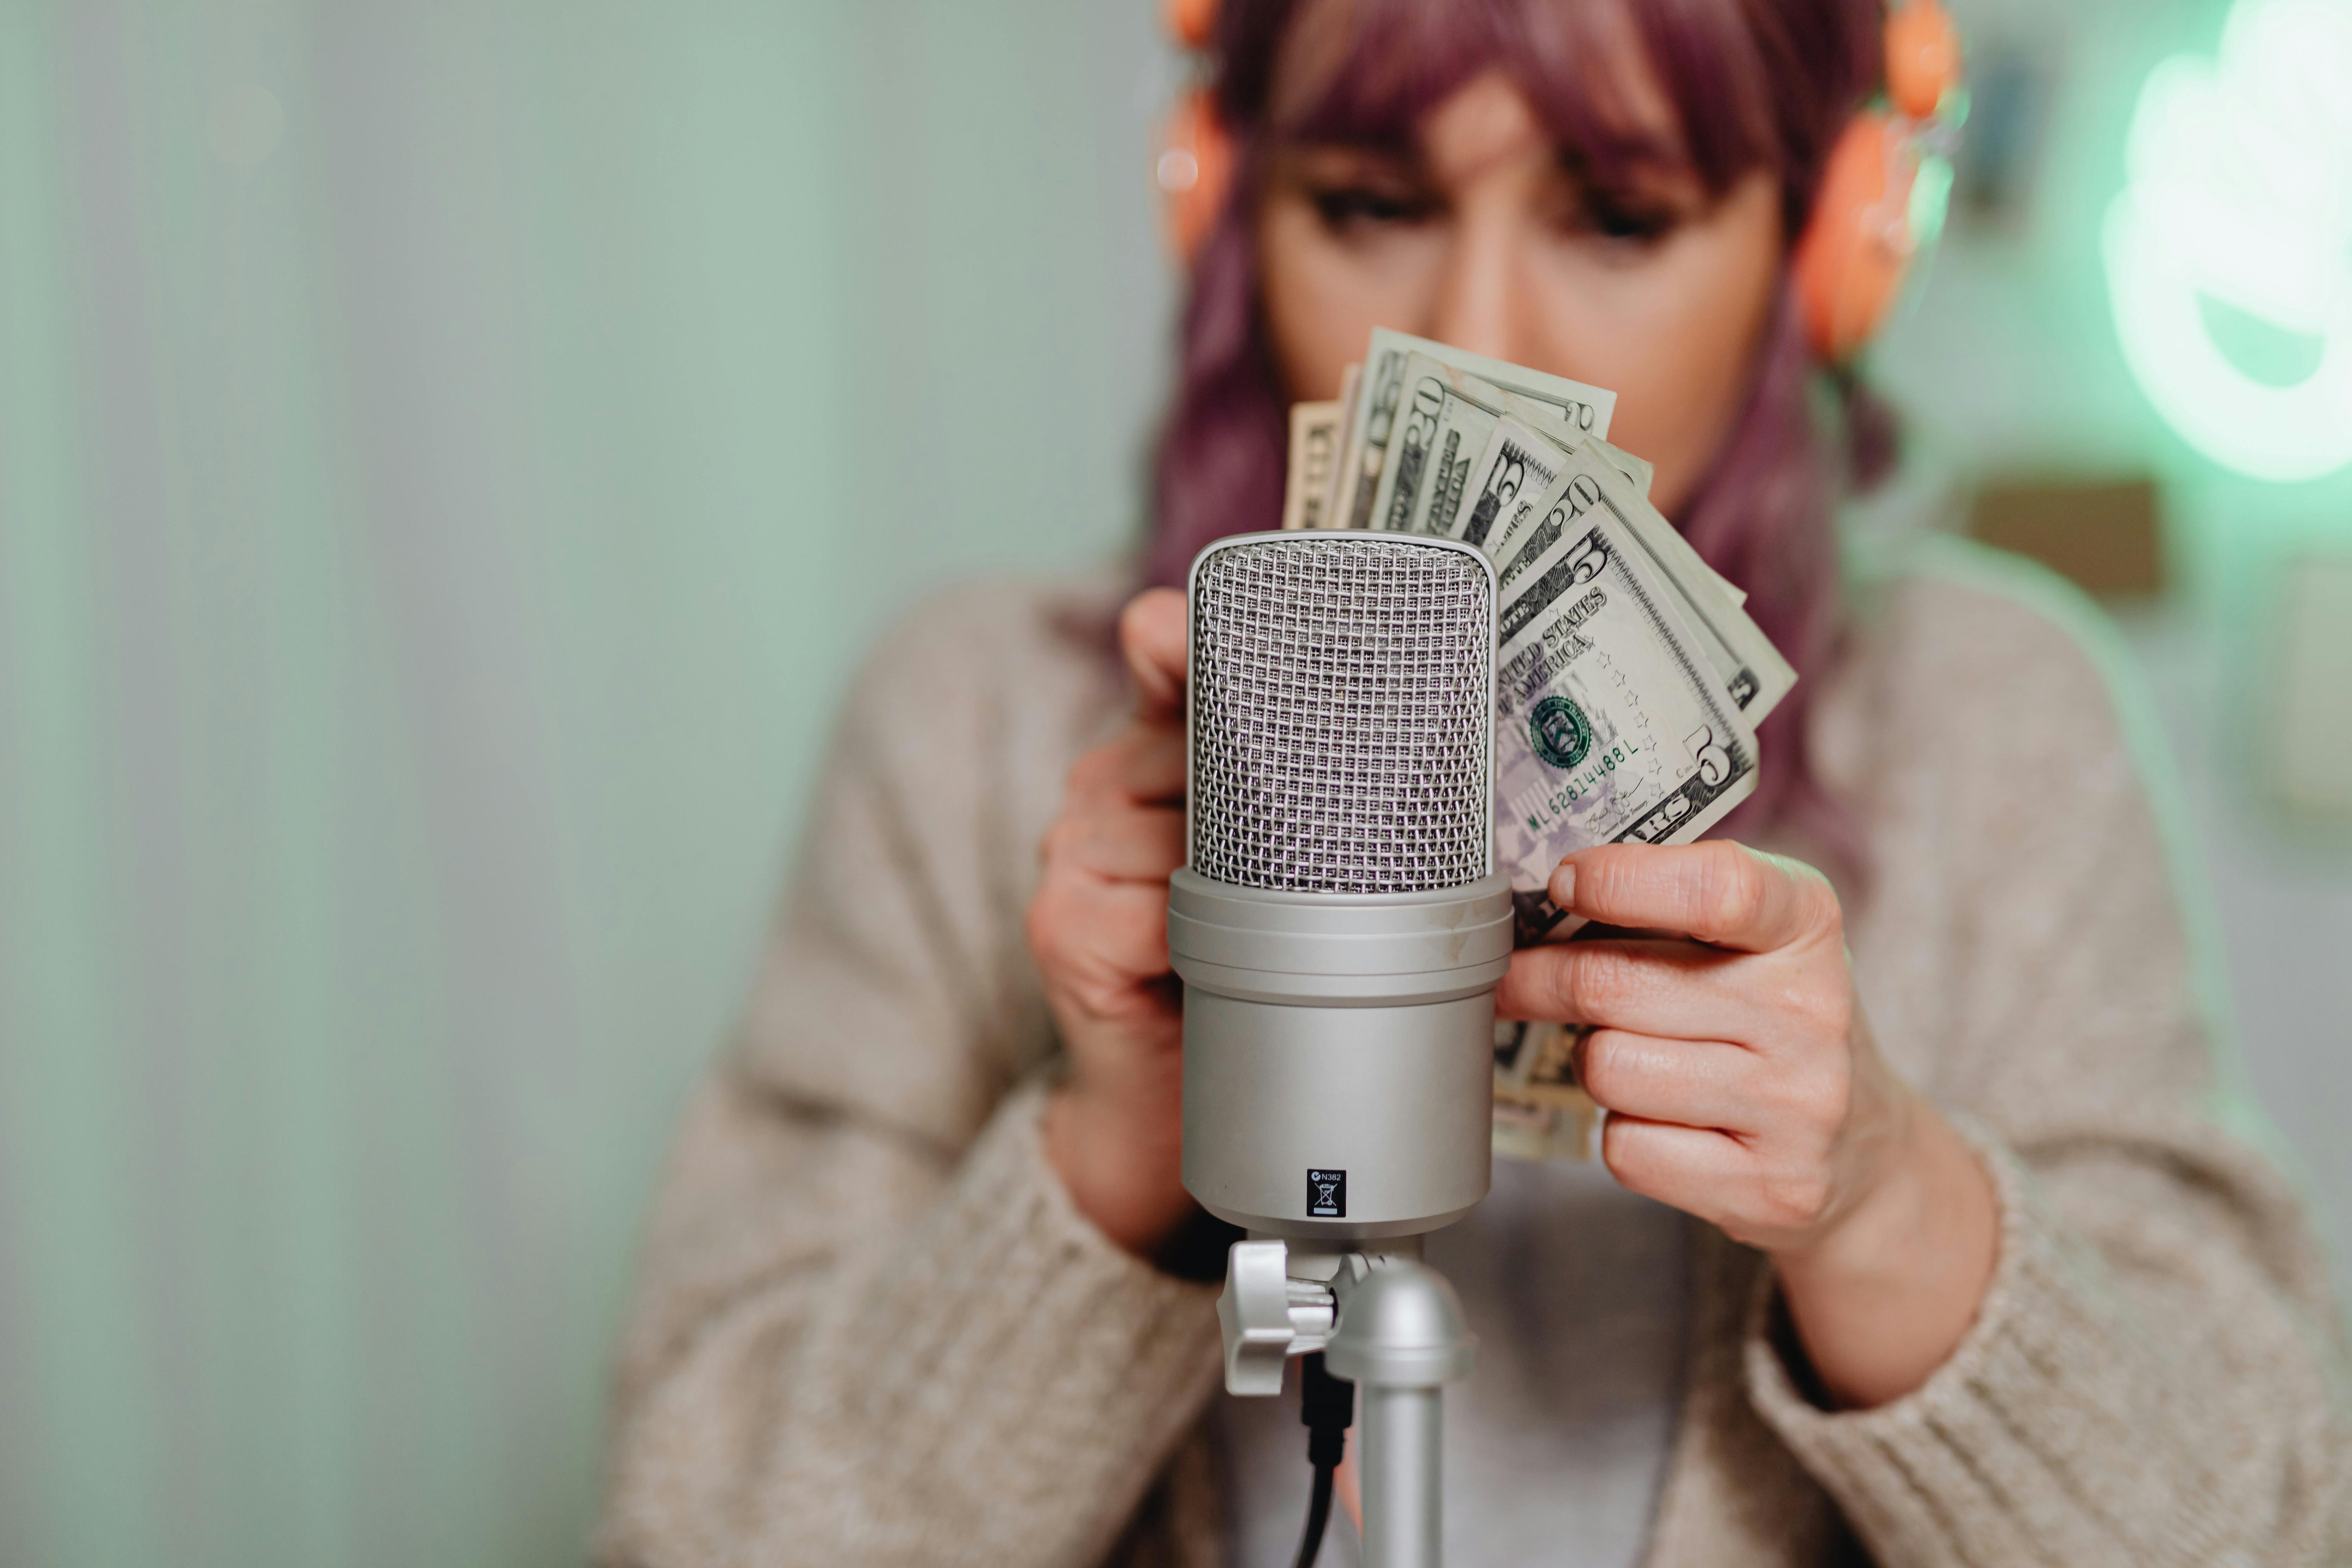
(1920, 1231)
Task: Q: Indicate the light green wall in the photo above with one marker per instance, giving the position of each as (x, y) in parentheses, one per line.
(2010, 363)
(433, 528)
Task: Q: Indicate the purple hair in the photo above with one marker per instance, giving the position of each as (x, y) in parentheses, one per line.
(1755, 84)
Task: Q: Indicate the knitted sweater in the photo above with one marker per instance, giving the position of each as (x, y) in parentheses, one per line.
(872, 1329)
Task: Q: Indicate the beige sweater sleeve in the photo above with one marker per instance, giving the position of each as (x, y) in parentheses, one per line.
(2155, 1376)
(872, 1329)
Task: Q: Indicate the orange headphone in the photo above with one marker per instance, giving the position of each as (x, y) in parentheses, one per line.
(1881, 201)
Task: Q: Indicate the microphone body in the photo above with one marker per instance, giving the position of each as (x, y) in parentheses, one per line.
(1339, 926)
(1338, 1054)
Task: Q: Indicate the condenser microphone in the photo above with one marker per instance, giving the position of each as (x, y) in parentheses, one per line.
(1338, 924)
(1339, 929)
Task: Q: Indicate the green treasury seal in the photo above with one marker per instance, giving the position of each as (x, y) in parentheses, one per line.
(1561, 733)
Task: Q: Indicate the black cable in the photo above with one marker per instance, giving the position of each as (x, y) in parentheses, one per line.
(1318, 1514)
(1326, 1407)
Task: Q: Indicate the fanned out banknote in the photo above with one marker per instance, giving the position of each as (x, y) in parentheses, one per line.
(1379, 401)
(1516, 472)
(1540, 1111)
(1310, 493)
(1584, 482)
(1629, 680)
(1609, 723)
(1445, 422)
(1314, 464)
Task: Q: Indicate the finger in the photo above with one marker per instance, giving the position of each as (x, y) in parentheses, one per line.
(1100, 942)
(1694, 1169)
(1151, 632)
(1130, 844)
(1145, 762)
(1690, 1083)
(1682, 990)
(1718, 891)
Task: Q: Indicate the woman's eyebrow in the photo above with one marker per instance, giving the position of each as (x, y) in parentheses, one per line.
(1652, 173)
(1385, 146)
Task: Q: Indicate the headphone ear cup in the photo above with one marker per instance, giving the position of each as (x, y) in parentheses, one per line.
(1196, 170)
(1849, 266)
(1190, 22)
(1923, 57)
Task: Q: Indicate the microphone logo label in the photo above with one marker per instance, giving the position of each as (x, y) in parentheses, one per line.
(1327, 1194)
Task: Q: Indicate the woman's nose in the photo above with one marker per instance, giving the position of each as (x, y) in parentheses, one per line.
(1478, 302)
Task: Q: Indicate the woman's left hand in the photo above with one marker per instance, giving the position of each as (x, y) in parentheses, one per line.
(1730, 1051)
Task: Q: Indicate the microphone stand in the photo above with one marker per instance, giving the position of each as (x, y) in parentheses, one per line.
(1339, 928)
(1388, 1323)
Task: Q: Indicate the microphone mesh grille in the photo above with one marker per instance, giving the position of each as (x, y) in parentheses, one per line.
(1342, 713)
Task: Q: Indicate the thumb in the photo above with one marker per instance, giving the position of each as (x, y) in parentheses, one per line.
(1151, 634)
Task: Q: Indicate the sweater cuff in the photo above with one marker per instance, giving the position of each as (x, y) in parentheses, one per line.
(1010, 1304)
(1999, 1435)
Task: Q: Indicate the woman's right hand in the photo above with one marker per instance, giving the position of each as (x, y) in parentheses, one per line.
(1098, 928)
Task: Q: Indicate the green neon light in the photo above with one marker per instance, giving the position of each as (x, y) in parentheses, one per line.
(1931, 199)
(2240, 204)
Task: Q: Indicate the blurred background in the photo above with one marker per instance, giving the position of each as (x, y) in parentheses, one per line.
(451, 453)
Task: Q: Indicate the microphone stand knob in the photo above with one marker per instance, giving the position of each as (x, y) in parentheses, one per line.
(1267, 1317)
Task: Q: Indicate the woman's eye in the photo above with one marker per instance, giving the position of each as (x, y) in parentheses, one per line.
(1352, 206)
(1624, 222)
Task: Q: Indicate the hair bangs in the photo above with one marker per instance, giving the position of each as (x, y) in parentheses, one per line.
(1718, 87)
(1366, 71)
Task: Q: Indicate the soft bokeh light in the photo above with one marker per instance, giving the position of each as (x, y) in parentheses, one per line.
(2240, 194)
